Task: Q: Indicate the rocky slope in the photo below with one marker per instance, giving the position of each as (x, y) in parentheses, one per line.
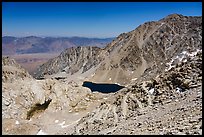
(164, 97)
(25, 99)
(146, 49)
(12, 71)
(171, 103)
(71, 61)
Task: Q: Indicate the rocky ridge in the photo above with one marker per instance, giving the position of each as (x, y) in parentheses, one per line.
(71, 61)
(164, 98)
(171, 103)
(131, 55)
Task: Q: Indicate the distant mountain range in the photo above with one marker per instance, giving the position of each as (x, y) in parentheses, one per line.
(32, 44)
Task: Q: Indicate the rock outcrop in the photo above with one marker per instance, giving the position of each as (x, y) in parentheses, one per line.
(71, 61)
(25, 99)
(12, 71)
(171, 103)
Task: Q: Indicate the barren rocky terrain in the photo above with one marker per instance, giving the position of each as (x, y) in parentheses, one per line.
(159, 64)
(149, 47)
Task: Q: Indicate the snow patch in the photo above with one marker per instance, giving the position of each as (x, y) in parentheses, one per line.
(64, 126)
(151, 91)
(93, 74)
(134, 79)
(185, 60)
(184, 52)
(193, 53)
(109, 78)
(41, 133)
(182, 57)
(61, 124)
(179, 90)
(56, 121)
(170, 66)
(17, 122)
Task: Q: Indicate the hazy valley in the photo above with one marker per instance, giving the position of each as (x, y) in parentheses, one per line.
(33, 51)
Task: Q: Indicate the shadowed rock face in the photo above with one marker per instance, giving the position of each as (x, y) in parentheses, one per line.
(36, 108)
(132, 55)
(71, 61)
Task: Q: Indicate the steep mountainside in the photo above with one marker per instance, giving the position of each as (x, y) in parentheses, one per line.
(170, 103)
(147, 49)
(33, 44)
(71, 61)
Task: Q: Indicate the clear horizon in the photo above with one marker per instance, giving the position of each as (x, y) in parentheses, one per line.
(86, 19)
(57, 37)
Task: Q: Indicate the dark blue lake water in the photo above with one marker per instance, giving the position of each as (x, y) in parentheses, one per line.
(101, 87)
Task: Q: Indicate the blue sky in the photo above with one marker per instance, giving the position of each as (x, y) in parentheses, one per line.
(87, 19)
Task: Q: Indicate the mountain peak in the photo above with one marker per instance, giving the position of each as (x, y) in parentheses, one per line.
(172, 17)
(134, 53)
(175, 15)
